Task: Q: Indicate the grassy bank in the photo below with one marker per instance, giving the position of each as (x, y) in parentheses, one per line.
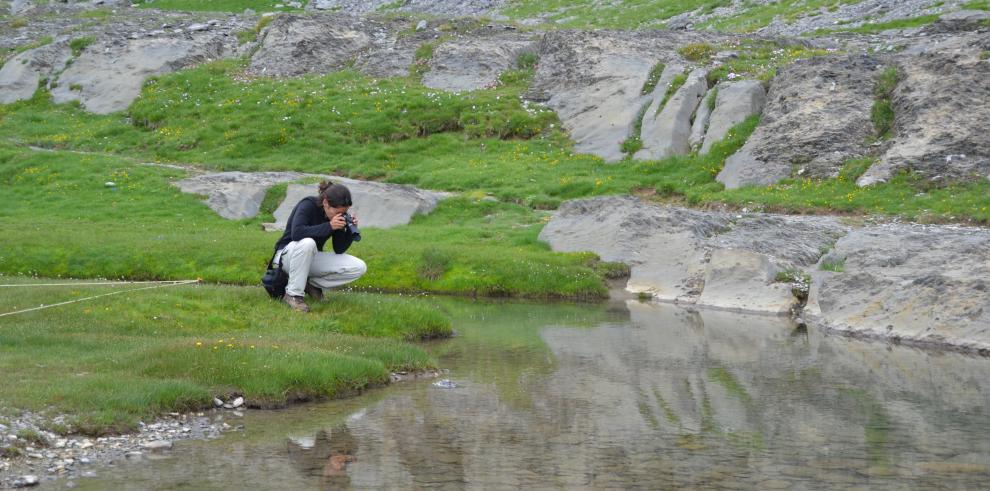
(112, 361)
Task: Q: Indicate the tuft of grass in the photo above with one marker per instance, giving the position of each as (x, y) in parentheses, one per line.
(757, 60)
(37, 44)
(634, 142)
(421, 59)
(18, 22)
(433, 264)
(837, 266)
(882, 112)
(32, 437)
(675, 84)
(977, 5)
(652, 79)
(78, 45)
(698, 52)
(853, 168)
(527, 60)
(712, 97)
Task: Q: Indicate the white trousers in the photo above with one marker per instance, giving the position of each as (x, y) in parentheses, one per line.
(304, 262)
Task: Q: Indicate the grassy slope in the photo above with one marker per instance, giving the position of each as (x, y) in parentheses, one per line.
(113, 360)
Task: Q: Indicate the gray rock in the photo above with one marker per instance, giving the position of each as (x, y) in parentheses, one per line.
(108, 78)
(666, 133)
(235, 195)
(593, 80)
(692, 256)
(217, 402)
(377, 204)
(940, 134)
(157, 445)
(914, 283)
(238, 402)
(471, 63)
(736, 101)
(702, 118)
(817, 116)
(198, 27)
(421, 25)
(297, 44)
(26, 481)
(20, 75)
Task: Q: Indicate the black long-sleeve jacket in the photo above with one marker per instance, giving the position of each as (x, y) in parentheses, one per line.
(309, 220)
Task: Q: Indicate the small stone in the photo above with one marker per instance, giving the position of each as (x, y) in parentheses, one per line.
(421, 25)
(228, 406)
(217, 402)
(198, 27)
(238, 402)
(25, 481)
(134, 454)
(158, 445)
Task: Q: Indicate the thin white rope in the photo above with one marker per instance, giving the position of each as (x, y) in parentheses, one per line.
(186, 282)
(96, 283)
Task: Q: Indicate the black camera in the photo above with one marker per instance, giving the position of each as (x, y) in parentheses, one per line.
(353, 229)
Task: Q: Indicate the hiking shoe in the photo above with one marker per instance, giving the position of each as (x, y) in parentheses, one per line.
(314, 292)
(297, 303)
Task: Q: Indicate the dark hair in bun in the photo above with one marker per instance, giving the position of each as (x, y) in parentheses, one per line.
(335, 194)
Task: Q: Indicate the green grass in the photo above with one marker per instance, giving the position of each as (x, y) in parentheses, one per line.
(112, 361)
(977, 5)
(79, 44)
(755, 17)
(868, 28)
(676, 83)
(144, 228)
(699, 52)
(882, 112)
(652, 79)
(622, 14)
(758, 60)
(235, 6)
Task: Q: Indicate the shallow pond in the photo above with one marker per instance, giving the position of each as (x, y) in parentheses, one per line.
(617, 395)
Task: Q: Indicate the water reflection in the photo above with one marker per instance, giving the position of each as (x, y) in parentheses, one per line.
(629, 396)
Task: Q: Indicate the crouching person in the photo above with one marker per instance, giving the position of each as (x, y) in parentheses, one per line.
(299, 252)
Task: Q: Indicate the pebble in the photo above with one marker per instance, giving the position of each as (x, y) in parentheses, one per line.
(158, 445)
(25, 481)
(238, 402)
(198, 27)
(421, 25)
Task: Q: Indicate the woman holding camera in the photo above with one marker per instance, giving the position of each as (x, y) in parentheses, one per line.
(299, 252)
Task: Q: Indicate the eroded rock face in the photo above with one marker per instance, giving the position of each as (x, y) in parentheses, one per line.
(735, 102)
(666, 132)
(817, 116)
(593, 80)
(296, 44)
(20, 75)
(471, 63)
(942, 118)
(708, 258)
(924, 284)
(108, 75)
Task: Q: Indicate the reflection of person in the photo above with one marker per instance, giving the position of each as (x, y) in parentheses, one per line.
(299, 252)
(327, 457)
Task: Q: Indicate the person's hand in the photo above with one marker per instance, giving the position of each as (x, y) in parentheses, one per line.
(354, 219)
(337, 222)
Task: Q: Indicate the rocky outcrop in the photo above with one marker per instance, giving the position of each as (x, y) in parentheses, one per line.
(297, 44)
(378, 205)
(238, 195)
(593, 80)
(735, 102)
(20, 75)
(108, 75)
(235, 195)
(817, 116)
(471, 63)
(707, 258)
(454, 8)
(666, 130)
(941, 135)
(913, 283)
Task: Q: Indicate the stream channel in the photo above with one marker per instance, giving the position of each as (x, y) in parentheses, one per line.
(621, 394)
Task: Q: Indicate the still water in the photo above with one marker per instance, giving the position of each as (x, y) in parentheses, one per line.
(617, 395)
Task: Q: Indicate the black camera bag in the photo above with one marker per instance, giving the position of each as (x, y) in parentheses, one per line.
(275, 280)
